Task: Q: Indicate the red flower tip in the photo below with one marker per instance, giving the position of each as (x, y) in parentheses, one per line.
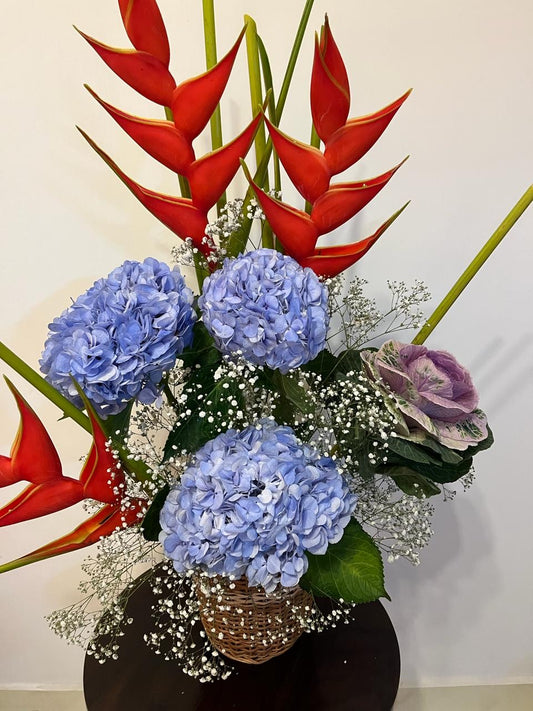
(305, 165)
(100, 477)
(178, 214)
(160, 139)
(41, 499)
(210, 175)
(142, 71)
(33, 455)
(343, 200)
(294, 228)
(103, 523)
(330, 95)
(329, 261)
(194, 100)
(350, 142)
(145, 28)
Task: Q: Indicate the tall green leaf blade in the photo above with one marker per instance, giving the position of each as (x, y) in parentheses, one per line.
(351, 569)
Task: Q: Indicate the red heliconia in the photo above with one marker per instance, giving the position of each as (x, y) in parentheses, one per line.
(34, 459)
(191, 104)
(311, 170)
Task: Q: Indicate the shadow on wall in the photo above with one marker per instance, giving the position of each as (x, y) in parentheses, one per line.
(435, 604)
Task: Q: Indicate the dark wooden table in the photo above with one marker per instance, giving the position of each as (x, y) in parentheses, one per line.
(354, 667)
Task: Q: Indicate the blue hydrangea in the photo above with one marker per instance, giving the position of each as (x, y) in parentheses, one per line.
(267, 307)
(118, 338)
(251, 503)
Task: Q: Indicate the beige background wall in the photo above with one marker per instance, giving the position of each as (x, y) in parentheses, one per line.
(465, 614)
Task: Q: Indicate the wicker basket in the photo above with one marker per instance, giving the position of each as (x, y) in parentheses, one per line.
(245, 623)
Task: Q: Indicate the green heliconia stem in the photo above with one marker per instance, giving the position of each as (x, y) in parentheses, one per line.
(256, 97)
(40, 384)
(476, 264)
(292, 59)
(200, 268)
(210, 43)
(238, 241)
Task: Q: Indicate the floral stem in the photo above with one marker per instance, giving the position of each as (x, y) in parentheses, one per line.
(292, 59)
(40, 384)
(256, 97)
(210, 44)
(474, 266)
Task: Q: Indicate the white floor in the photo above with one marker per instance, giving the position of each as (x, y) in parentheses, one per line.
(464, 698)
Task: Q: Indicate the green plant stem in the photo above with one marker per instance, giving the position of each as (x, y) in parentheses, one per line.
(210, 44)
(40, 384)
(292, 59)
(474, 266)
(256, 98)
(200, 268)
(239, 238)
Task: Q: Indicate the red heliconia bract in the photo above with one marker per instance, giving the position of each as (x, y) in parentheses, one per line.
(306, 166)
(344, 200)
(35, 459)
(210, 175)
(327, 262)
(194, 100)
(310, 170)
(101, 524)
(159, 138)
(145, 27)
(33, 456)
(350, 142)
(142, 71)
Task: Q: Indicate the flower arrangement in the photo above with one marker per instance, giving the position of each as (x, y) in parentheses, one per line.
(234, 439)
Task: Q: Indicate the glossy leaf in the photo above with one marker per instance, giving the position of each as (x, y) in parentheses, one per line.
(194, 100)
(178, 214)
(211, 174)
(41, 499)
(305, 165)
(351, 570)
(33, 455)
(330, 261)
(294, 228)
(142, 71)
(330, 101)
(146, 30)
(160, 139)
(342, 201)
(150, 525)
(350, 142)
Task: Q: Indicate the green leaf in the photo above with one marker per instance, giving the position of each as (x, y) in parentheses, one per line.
(203, 422)
(351, 569)
(411, 482)
(116, 426)
(411, 451)
(450, 456)
(150, 525)
(202, 350)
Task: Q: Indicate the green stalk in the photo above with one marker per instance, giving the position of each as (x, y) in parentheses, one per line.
(210, 44)
(40, 384)
(292, 59)
(238, 240)
(200, 268)
(256, 97)
(474, 266)
(254, 79)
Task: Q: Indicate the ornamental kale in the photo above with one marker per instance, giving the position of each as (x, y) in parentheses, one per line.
(252, 503)
(266, 307)
(118, 338)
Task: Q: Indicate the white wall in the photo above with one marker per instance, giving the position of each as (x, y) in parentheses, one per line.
(465, 614)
